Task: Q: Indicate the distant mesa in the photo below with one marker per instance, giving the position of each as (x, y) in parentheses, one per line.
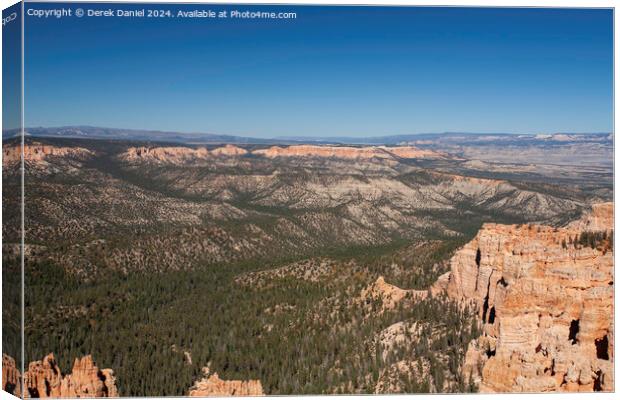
(180, 154)
(413, 152)
(323, 151)
(164, 154)
(346, 152)
(38, 152)
(562, 137)
(229, 150)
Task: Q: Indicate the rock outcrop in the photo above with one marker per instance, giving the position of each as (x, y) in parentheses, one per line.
(11, 378)
(179, 155)
(600, 218)
(44, 379)
(172, 155)
(212, 385)
(545, 306)
(389, 295)
(413, 152)
(395, 335)
(229, 150)
(38, 152)
(347, 152)
(391, 379)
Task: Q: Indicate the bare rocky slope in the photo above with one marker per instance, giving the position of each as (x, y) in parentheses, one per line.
(230, 203)
(545, 301)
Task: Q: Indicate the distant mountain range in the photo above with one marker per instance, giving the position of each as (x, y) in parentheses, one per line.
(205, 138)
(92, 132)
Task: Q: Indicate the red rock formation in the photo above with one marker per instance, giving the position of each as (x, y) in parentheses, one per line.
(38, 152)
(172, 155)
(600, 218)
(345, 152)
(413, 152)
(185, 154)
(440, 285)
(389, 295)
(545, 305)
(44, 379)
(229, 150)
(212, 385)
(11, 378)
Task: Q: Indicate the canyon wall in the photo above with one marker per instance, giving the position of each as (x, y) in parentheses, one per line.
(165, 154)
(182, 154)
(545, 302)
(600, 218)
(38, 152)
(347, 152)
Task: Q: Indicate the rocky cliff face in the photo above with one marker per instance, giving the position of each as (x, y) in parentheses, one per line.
(212, 385)
(600, 218)
(347, 152)
(11, 378)
(44, 379)
(229, 150)
(389, 295)
(179, 155)
(38, 152)
(164, 154)
(413, 152)
(545, 305)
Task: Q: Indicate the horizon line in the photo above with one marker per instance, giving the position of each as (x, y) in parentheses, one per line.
(306, 137)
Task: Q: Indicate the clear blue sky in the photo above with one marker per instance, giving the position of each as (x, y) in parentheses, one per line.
(11, 67)
(357, 71)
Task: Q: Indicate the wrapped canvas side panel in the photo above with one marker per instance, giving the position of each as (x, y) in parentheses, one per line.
(12, 191)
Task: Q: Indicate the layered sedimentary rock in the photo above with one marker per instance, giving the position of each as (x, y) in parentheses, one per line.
(229, 150)
(545, 306)
(44, 379)
(347, 152)
(37, 152)
(212, 385)
(11, 378)
(600, 218)
(178, 155)
(165, 154)
(389, 295)
(413, 152)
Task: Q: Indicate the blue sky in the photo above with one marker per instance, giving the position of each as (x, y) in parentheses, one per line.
(11, 67)
(362, 71)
